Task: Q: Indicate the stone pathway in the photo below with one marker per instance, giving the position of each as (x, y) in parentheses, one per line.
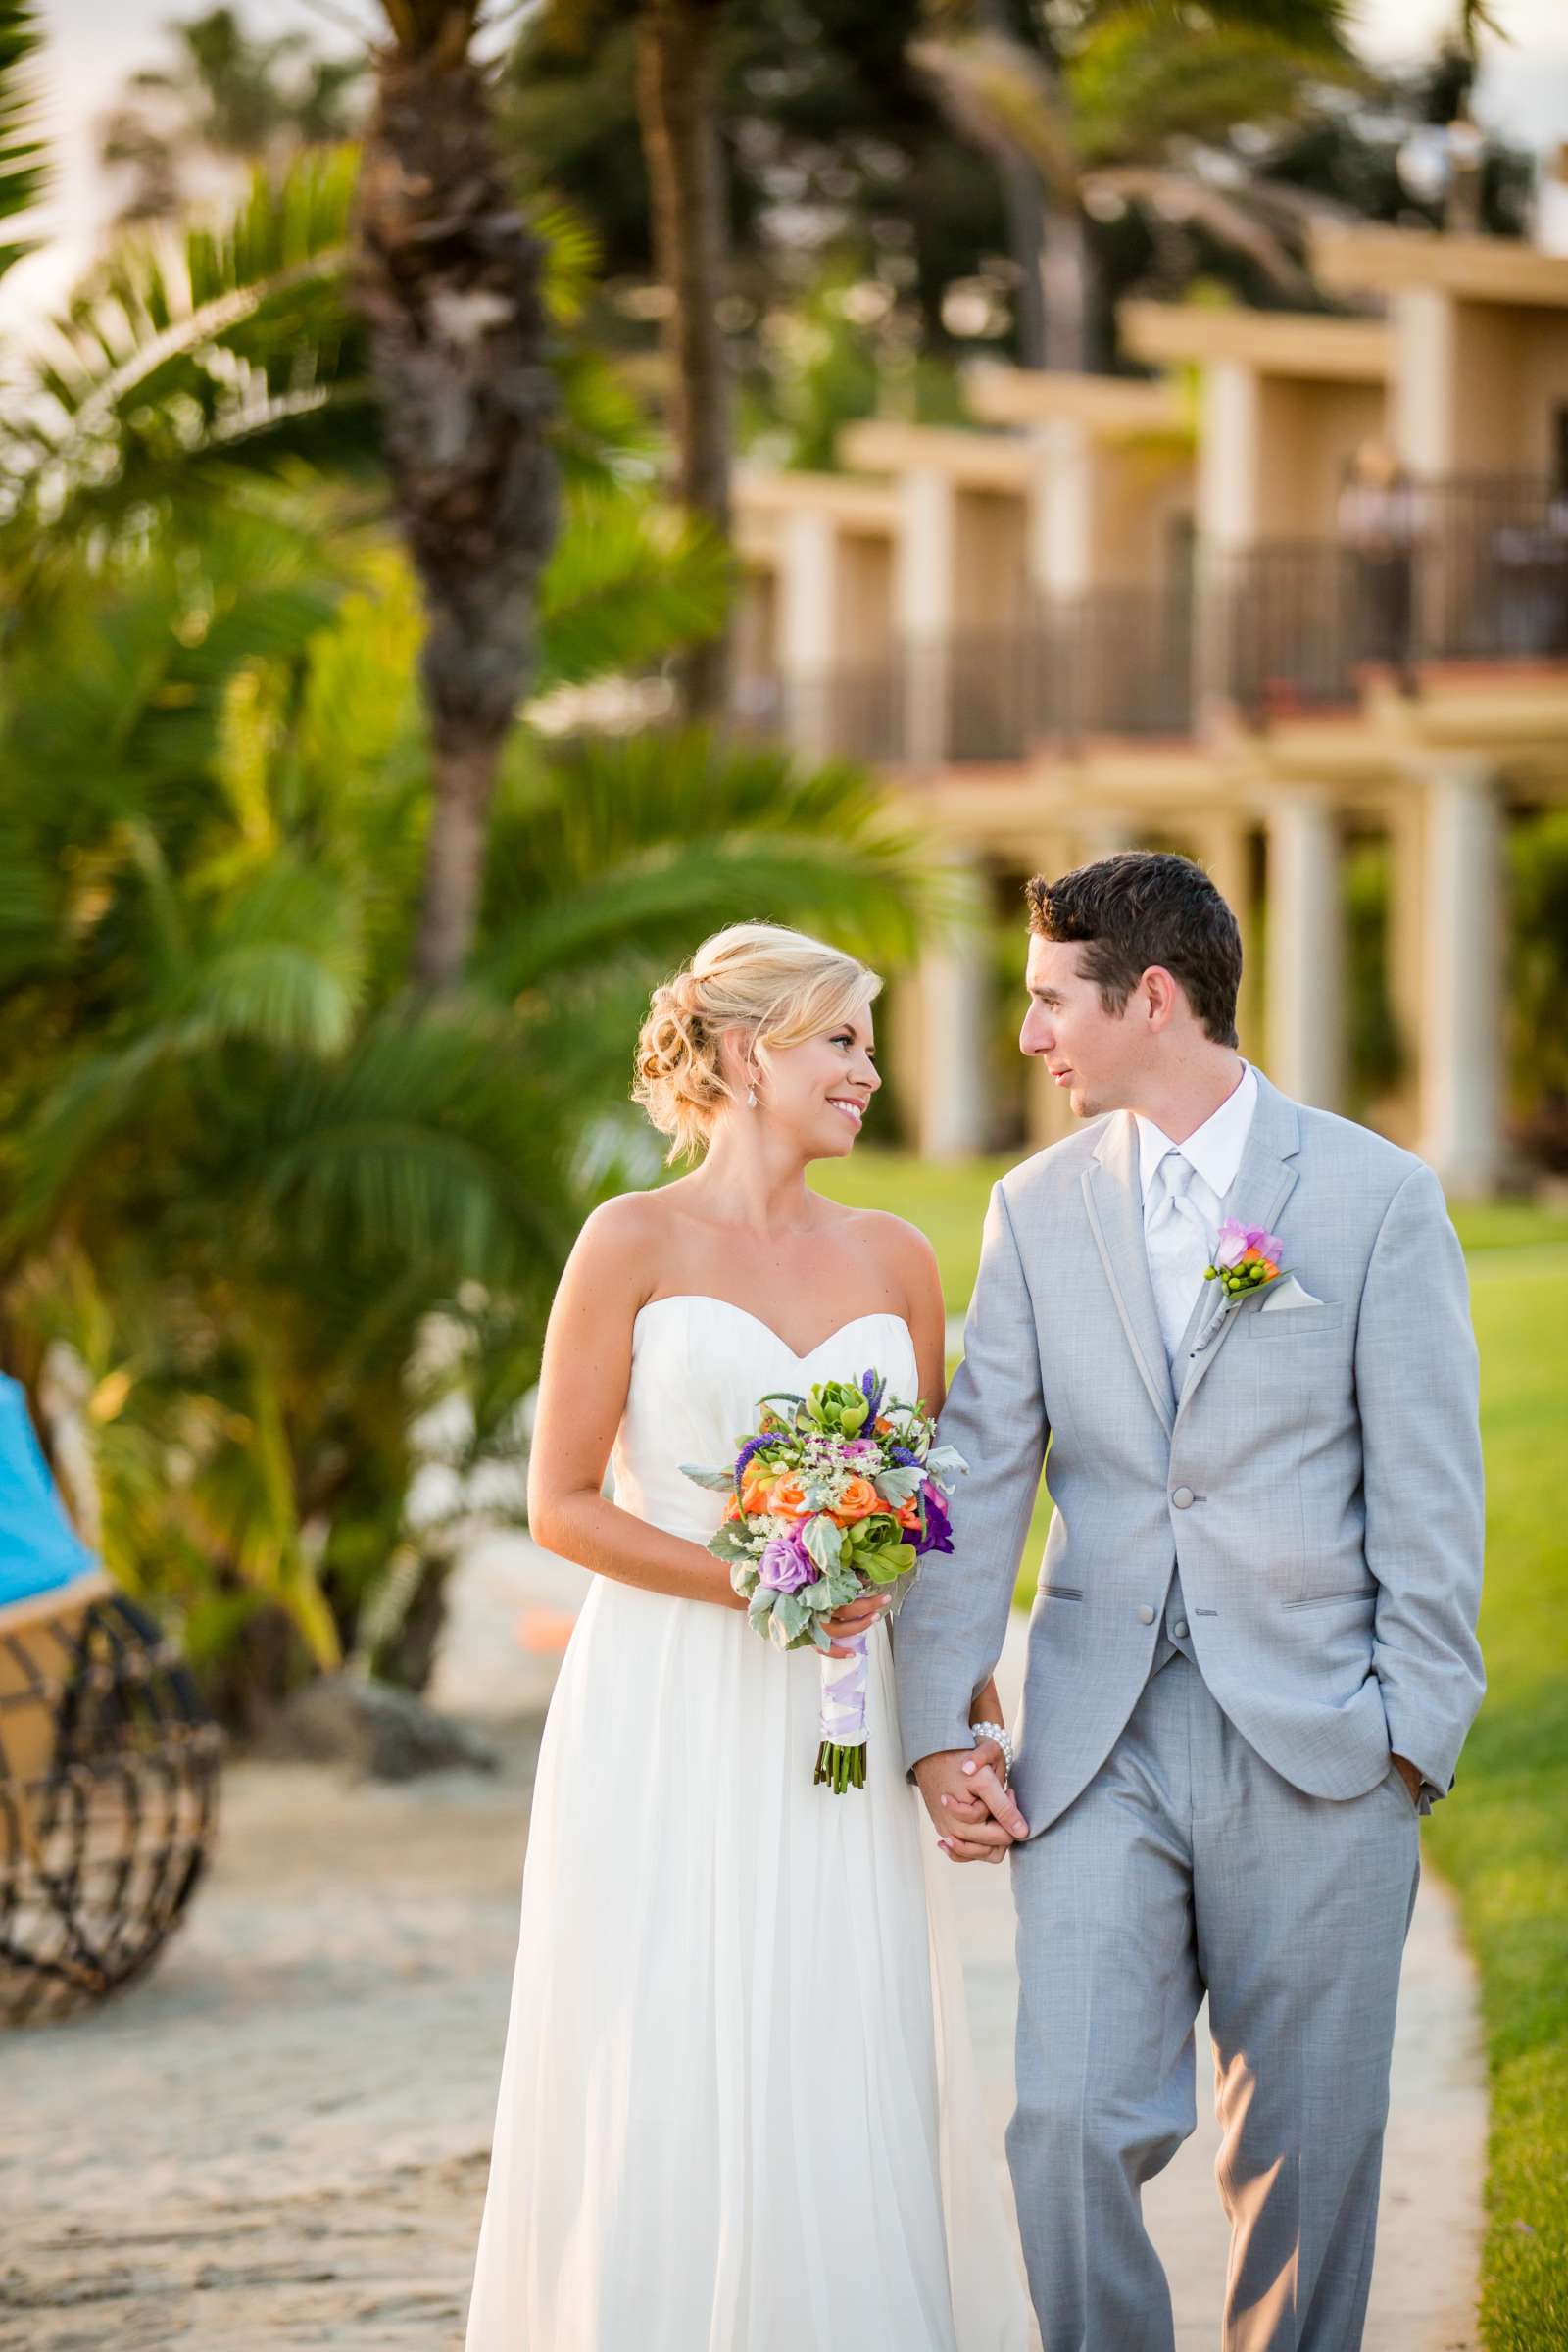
(280, 2140)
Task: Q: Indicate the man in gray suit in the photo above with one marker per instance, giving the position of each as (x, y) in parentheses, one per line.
(1252, 1652)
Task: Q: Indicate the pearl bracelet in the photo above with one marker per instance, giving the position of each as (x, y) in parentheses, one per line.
(999, 1733)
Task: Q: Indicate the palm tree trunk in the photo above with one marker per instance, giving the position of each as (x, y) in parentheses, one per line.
(1067, 274)
(447, 275)
(677, 104)
(1023, 202)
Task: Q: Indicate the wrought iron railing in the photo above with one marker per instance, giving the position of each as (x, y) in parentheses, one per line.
(1468, 570)
(1493, 562)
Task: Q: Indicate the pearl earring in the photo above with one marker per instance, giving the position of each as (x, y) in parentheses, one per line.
(750, 1098)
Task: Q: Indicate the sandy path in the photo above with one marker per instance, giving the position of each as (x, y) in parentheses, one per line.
(281, 2139)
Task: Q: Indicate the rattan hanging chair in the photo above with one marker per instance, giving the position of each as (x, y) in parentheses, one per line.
(109, 1760)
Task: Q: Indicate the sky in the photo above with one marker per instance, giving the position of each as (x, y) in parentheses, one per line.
(93, 44)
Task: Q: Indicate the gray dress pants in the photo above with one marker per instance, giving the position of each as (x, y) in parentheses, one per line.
(1189, 1865)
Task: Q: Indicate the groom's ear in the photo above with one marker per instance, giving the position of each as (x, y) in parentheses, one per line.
(1161, 997)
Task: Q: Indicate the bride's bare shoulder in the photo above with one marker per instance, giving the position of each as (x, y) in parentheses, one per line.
(900, 1249)
(619, 1236)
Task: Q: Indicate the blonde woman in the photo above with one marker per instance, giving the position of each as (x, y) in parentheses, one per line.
(736, 2111)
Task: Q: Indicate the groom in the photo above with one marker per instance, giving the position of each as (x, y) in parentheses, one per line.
(1252, 1652)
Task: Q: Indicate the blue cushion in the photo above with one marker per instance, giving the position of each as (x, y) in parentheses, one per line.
(39, 1548)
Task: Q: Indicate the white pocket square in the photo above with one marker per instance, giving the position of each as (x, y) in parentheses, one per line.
(1284, 1294)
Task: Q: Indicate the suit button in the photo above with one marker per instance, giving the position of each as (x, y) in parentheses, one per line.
(1179, 1629)
(1183, 1499)
(1146, 1615)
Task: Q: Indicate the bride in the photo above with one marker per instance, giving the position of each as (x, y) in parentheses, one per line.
(737, 2111)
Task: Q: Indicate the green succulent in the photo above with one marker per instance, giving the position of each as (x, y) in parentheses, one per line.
(838, 1404)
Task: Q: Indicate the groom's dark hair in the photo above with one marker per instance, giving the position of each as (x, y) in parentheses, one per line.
(1145, 906)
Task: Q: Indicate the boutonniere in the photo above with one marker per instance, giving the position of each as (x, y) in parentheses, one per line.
(1245, 1259)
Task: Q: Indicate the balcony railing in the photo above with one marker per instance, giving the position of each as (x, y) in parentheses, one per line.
(1469, 570)
(1477, 570)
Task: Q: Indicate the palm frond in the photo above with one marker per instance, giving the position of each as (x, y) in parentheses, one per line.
(1314, 28)
(23, 153)
(1230, 217)
(630, 581)
(998, 94)
(429, 1141)
(634, 847)
(234, 339)
(1137, 88)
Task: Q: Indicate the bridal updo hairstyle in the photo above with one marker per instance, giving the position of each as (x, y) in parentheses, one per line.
(781, 985)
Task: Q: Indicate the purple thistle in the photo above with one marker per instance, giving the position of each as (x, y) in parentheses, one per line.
(751, 1447)
(902, 1456)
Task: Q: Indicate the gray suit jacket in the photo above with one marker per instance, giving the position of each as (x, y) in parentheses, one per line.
(1314, 1470)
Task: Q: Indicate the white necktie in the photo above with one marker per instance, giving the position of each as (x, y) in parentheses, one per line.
(1177, 1240)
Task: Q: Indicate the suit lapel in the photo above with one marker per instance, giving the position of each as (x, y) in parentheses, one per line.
(1114, 1198)
(1264, 1183)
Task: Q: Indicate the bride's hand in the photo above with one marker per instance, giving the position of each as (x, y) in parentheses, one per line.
(976, 1818)
(856, 1617)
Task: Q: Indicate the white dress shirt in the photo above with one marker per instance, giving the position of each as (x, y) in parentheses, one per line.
(1181, 1235)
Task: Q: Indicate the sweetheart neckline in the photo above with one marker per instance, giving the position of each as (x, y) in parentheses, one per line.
(879, 1314)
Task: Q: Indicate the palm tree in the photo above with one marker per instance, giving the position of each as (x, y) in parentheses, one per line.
(277, 1207)
(448, 274)
(677, 104)
(181, 373)
(1112, 104)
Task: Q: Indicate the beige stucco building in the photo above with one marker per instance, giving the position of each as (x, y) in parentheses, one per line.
(1305, 586)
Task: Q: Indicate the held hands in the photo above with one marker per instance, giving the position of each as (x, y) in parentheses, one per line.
(977, 1819)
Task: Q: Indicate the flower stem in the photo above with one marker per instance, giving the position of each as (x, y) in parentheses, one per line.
(840, 1768)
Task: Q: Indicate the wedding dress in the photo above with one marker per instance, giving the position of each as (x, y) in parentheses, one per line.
(736, 2110)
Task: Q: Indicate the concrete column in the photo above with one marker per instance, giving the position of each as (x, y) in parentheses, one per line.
(1225, 851)
(1425, 389)
(1061, 517)
(1463, 1040)
(951, 1104)
(1048, 1116)
(1405, 961)
(1103, 837)
(1229, 455)
(808, 630)
(1306, 952)
(923, 593)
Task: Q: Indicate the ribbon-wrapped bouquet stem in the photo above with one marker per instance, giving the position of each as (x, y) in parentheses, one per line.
(832, 1494)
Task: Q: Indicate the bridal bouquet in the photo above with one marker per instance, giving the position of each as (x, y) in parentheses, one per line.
(831, 1494)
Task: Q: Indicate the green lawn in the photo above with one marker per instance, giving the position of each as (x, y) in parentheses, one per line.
(1502, 1837)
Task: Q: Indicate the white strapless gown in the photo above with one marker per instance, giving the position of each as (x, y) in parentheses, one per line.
(737, 2111)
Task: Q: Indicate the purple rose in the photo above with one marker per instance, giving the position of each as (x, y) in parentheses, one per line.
(787, 1565)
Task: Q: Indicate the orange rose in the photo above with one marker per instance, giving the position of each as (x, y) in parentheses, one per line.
(789, 1498)
(858, 1500)
(909, 1514)
(757, 1490)
(733, 1508)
